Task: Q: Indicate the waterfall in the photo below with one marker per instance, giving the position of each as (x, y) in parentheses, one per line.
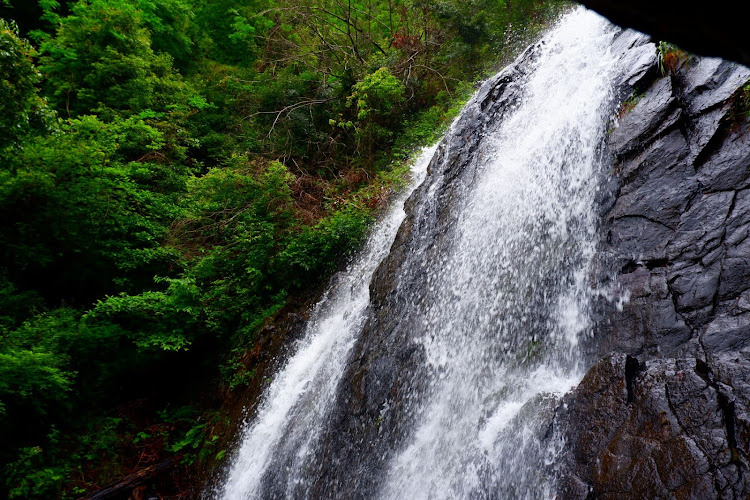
(508, 298)
(455, 368)
(295, 405)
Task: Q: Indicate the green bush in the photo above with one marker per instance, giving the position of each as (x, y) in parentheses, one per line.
(21, 108)
(317, 250)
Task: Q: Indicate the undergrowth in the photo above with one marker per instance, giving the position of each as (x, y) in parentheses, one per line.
(671, 58)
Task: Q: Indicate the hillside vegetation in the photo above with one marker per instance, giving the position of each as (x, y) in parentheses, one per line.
(173, 173)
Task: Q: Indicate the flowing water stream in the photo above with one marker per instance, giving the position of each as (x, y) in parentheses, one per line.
(294, 408)
(497, 317)
(509, 300)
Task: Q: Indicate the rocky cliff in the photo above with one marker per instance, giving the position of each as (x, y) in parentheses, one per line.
(666, 412)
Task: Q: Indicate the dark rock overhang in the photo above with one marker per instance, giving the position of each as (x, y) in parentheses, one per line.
(716, 28)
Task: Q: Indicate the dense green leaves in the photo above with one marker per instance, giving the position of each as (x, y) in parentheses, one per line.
(75, 210)
(101, 59)
(32, 378)
(176, 172)
(21, 109)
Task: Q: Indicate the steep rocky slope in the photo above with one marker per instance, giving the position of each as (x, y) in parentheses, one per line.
(666, 412)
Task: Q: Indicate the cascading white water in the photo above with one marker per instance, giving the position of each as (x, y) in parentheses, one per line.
(500, 312)
(509, 301)
(294, 407)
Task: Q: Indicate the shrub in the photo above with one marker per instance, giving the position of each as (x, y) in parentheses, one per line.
(671, 58)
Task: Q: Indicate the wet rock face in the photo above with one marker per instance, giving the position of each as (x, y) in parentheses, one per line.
(678, 230)
(667, 428)
(664, 414)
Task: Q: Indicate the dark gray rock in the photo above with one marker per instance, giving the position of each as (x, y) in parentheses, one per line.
(662, 198)
(640, 238)
(664, 330)
(681, 206)
(727, 333)
(710, 81)
(695, 286)
(702, 129)
(675, 422)
(738, 221)
(701, 228)
(742, 304)
(645, 321)
(667, 124)
(735, 277)
(728, 167)
(639, 62)
(661, 429)
(717, 29)
(655, 157)
(645, 117)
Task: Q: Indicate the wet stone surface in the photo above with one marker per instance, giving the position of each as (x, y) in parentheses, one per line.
(665, 412)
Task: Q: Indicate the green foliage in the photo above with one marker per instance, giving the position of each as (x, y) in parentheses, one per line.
(317, 249)
(427, 126)
(234, 371)
(154, 319)
(27, 477)
(192, 439)
(75, 206)
(32, 378)
(238, 219)
(172, 27)
(45, 471)
(743, 100)
(217, 160)
(21, 108)
(236, 29)
(249, 252)
(739, 112)
(101, 60)
(378, 94)
(671, 58)
(378, 98)
(45, 355)
(16, 305)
